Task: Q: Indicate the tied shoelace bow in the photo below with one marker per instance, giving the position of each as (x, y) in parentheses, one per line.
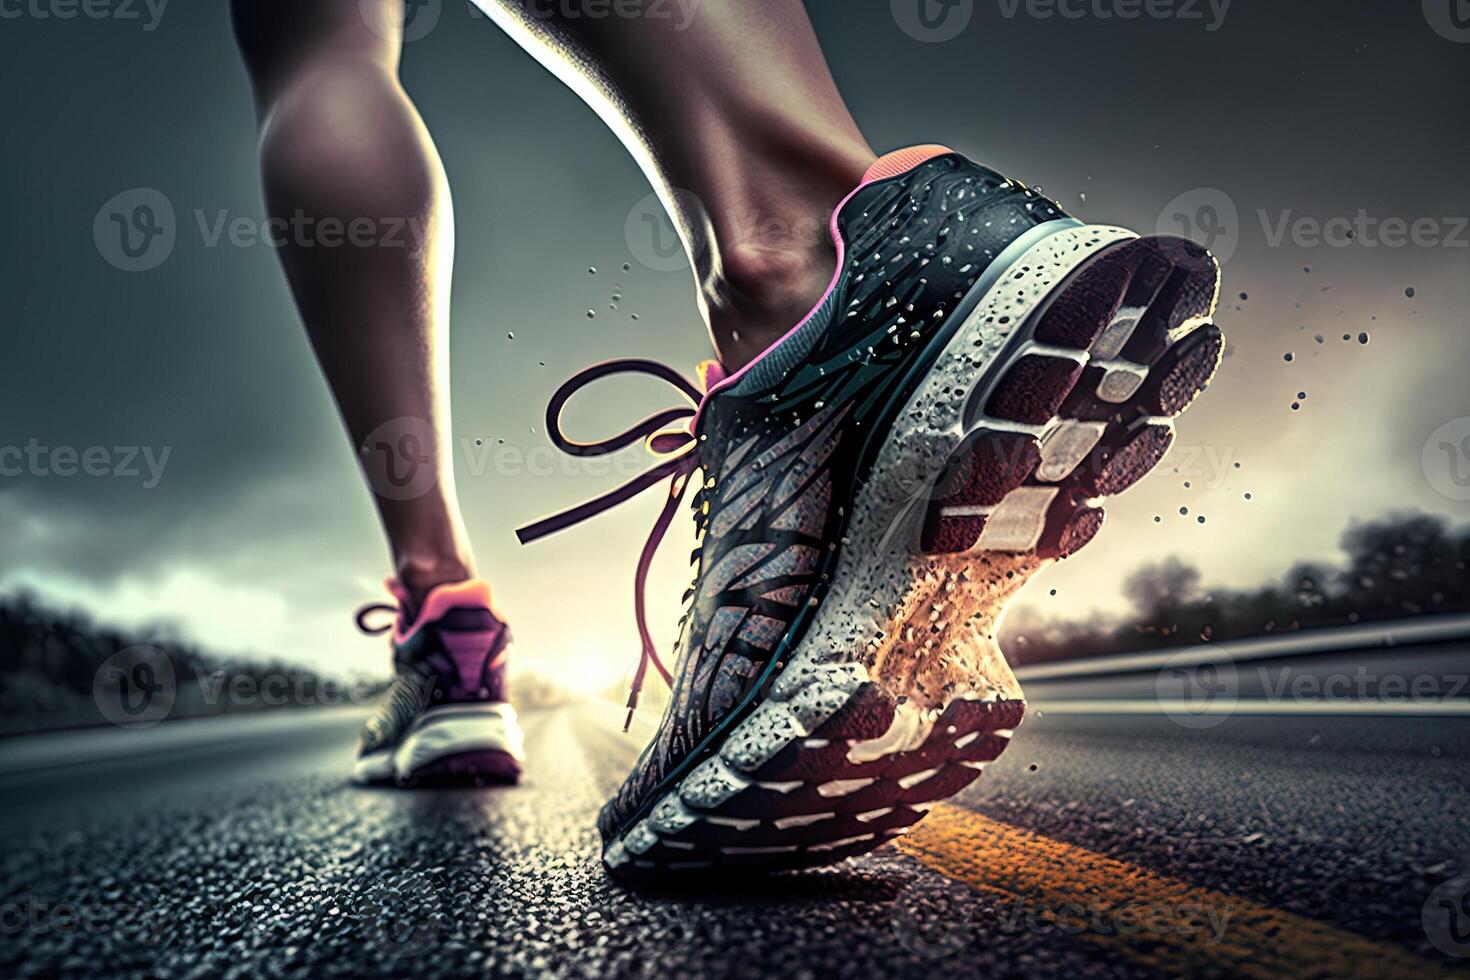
(675, 448)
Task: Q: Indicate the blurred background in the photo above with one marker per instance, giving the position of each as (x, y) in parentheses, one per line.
(172, 471)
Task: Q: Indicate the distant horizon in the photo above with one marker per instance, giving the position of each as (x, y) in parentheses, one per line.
(1034, 615)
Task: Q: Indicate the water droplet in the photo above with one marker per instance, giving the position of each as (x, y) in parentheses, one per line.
(1244, 296)
(1183, 511)
(1409, 292)
(510, 336)
(591, 314)
(1289, 356)
(1247, 496)
(592, 270)
(1201, 518)
(1363, 337)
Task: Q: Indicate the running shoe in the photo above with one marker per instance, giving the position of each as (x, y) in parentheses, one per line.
(982, 371)
(445, 718)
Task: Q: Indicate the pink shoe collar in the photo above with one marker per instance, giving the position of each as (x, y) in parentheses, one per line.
(472, 593)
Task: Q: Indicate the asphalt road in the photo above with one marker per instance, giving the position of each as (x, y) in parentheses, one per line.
(1099, 845)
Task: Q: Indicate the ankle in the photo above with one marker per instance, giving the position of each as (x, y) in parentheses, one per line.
(421, 574)
(761, 292)
(772, 257)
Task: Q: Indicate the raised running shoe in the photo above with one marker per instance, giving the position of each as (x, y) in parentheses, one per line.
(981, 372)
(445, 718)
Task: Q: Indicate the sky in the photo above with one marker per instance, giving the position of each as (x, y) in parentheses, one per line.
(230, 507)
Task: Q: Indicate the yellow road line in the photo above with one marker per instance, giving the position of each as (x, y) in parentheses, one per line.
(1148, 917)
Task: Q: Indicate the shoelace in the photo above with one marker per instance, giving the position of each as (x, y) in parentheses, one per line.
(675, 447)
(360, 618)
(399, 593)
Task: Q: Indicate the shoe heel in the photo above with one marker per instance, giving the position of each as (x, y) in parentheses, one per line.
(1077, 405)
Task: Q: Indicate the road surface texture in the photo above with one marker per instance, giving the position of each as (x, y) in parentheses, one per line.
(1101, 844)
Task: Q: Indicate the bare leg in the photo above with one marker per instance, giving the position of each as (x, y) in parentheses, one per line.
(341, 142)
(732, 102)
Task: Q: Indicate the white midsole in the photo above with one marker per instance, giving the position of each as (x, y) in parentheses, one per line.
(442, 733)
(874, 567)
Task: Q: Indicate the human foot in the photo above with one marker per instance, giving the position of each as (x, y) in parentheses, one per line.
(445, 717)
